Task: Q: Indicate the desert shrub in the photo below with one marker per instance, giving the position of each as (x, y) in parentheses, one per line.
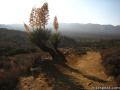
(12, 67)
(67, 42)
(55, 39)
(81, 51)
(111, 62)
(40, 35)
(45, 36)
(14, 51)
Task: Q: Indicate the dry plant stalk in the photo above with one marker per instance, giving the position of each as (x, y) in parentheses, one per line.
(55, 23)
(26, 28)
(39, 16)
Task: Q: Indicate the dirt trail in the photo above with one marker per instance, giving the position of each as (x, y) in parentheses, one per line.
(90, 64)
(90, 71)
(82, 73)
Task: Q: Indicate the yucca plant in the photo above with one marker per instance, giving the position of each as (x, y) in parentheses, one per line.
(48, 42)
(42, 37)
(55, 39)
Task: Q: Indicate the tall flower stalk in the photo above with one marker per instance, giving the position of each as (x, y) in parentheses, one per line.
(55, 24)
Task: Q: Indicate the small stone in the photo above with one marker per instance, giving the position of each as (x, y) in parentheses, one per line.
(90, 83)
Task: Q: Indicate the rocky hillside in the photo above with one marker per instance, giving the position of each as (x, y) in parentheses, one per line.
(13, 38)
(16, 38)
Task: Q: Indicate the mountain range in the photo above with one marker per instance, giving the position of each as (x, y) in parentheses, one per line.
(76, 30)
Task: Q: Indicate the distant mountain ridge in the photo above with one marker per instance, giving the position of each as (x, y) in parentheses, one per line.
(91, 30)
(77, 30)
(12, 26)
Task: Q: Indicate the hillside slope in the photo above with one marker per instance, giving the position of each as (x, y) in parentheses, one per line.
(13, 38)
(19, 39)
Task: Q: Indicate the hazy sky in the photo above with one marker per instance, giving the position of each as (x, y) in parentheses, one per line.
(68, 11)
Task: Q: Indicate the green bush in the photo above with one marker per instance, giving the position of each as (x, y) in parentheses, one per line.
(55, 39)
(45, 37)
(111, 63)
(39, 35)
(14, 51)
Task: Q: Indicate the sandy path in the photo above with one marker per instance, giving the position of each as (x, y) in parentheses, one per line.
(84, 71)
(91, 71)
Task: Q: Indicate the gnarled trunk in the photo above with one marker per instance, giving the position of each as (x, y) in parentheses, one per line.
(57, 56)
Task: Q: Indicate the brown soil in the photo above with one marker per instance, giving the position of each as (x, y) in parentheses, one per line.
(81, 72)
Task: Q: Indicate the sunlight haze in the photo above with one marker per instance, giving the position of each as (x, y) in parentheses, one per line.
(67, 11)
